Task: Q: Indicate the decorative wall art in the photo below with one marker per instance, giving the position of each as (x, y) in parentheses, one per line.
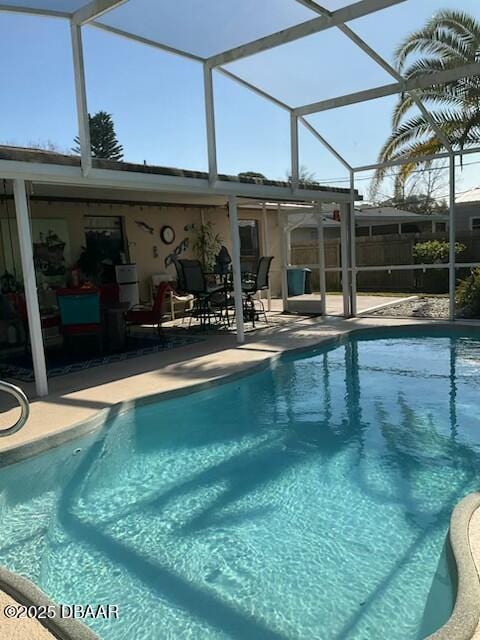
(181, 248)
(144, 226)
(51, 248)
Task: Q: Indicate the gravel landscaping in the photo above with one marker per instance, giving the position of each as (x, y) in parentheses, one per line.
(420, 307)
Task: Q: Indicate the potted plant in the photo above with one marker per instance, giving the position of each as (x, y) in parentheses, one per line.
(206, 245)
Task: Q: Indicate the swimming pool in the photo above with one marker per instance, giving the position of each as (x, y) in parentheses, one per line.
(307, 501)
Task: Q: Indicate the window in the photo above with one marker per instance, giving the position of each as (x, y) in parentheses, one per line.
(475, 224)
(409, 227)
(384, 229)
(362, 231)
(105, 241)
(249, 244)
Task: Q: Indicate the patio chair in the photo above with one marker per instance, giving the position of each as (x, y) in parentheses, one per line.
(80, 315)
(153, 315)
(207, 301)
(179, 294)
(252, 284)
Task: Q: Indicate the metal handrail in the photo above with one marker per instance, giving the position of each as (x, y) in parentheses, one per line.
(22, 399)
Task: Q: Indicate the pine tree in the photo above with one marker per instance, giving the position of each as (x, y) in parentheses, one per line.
(103, 139)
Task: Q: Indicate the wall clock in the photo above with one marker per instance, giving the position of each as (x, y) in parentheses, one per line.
(167, 234)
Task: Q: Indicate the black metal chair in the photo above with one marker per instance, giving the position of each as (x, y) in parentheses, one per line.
(180, 276)
(194, 282)
(252, 284)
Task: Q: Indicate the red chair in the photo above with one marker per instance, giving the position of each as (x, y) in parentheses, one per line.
(141, 314)
(48, 321)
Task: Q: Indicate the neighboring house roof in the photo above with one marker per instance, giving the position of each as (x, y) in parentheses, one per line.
(27, 154)
(370, 215)
(395, 215)
(470, 196)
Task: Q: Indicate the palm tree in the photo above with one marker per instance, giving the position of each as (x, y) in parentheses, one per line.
(450, 39)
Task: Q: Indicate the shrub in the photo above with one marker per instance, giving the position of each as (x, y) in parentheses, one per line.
(468, 294)
(434, 251)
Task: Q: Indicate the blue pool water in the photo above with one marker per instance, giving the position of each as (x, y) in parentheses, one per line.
(308, 501)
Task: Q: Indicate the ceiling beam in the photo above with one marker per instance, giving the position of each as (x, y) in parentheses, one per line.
(147, 41)
(428, 80)
(351, 12)
(325, 143)
(48, 13)
(254, 88)
(399, 161)
(94, 9)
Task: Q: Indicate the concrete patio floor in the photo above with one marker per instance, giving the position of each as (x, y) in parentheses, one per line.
(308, 303)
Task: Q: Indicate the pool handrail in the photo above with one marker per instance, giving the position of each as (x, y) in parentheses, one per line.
(22, 399)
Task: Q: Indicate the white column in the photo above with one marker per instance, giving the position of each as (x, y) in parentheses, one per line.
(30, 284)
(344, 214)
(451, 239)
(210, 122)
(288, 244)
(294, 150)
(321, 261)
(237, 273)
(283, 258)
(353, 247)
(81, 98)
(266, 249)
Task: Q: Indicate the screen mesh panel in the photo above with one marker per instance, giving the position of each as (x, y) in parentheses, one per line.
(206, 28)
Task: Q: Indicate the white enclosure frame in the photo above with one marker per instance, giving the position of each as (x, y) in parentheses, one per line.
(88, 175)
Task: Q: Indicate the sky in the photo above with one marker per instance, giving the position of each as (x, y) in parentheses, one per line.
(156, 98)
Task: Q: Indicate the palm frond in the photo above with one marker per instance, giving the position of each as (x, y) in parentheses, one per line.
(433, 96)
(414, 152)
(447, 33)
(448, 40)
(460, 22)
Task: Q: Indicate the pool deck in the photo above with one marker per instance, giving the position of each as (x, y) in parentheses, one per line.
(77, 398)
(474, 539)
(13, 629)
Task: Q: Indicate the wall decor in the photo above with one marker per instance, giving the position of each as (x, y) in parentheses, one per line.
(51, 248)
(144, 226)
(189, 227)
(183, 246)
(167, 234)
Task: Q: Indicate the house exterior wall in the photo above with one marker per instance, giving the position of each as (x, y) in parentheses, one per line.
(140, 243)
(464, 213)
